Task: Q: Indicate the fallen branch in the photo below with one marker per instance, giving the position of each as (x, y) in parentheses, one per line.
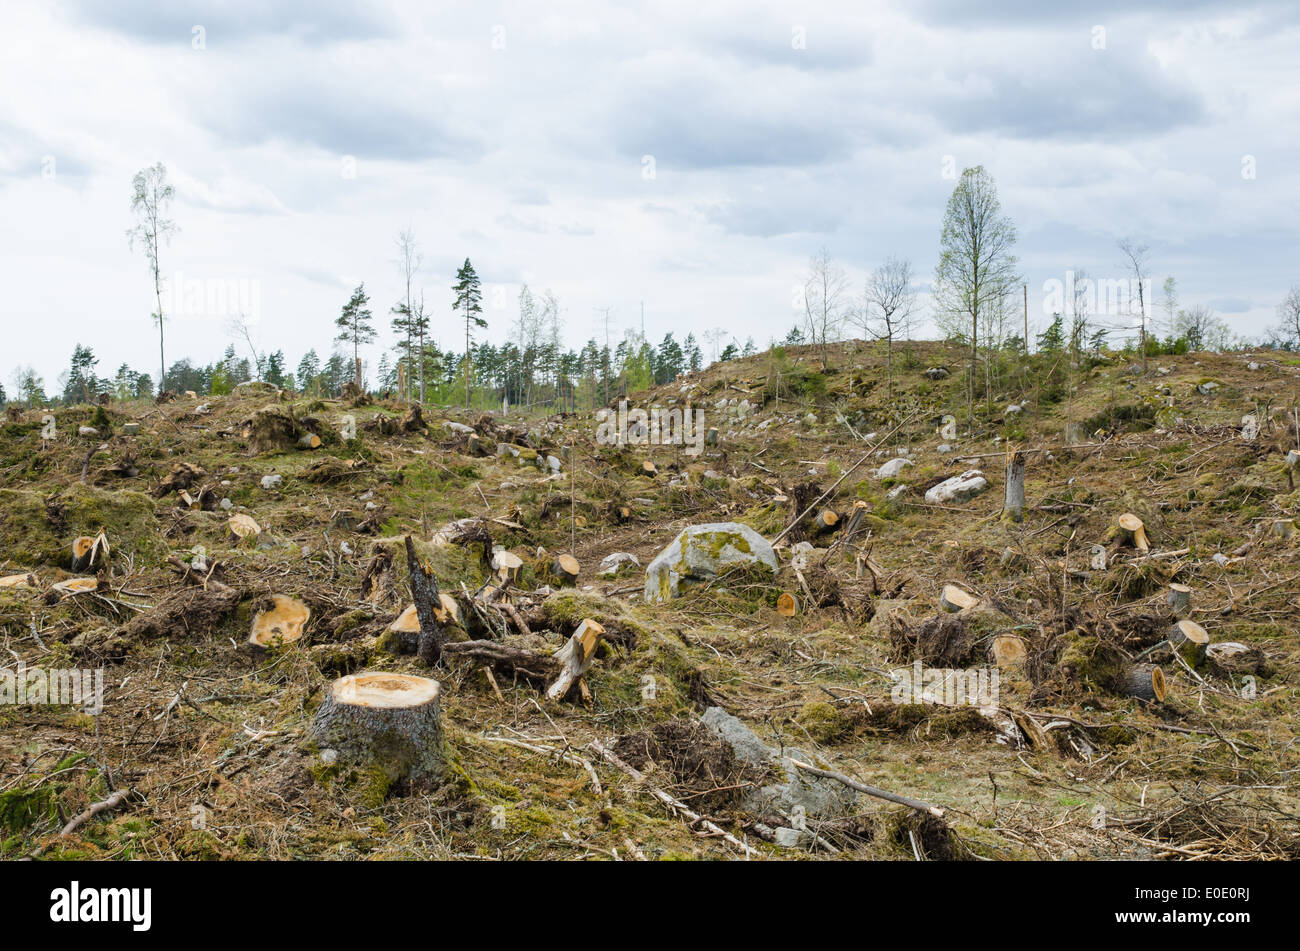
(112, 802)
(871, 790)
(825, 495)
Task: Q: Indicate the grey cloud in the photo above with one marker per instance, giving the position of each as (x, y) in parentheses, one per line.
(1231, 305)
(312, 21)
(1080, 95)
(360, 118)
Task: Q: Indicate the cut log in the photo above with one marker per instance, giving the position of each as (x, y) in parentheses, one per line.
(1013, 506)
(309, 441)
(825, 523)
(1190, 640)
(507, 565)
(1008, 650)
(1146, 682)
(953, 599)
(565, 568)
(280, 622)
(243, 526)
(89, 552)
(1134, 531)
(787, 605)
(18, 581)
(575, 657)
(1179, 599)
(387, 722)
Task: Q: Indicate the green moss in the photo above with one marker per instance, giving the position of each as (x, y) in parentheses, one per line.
(37, 528)
(824, 722)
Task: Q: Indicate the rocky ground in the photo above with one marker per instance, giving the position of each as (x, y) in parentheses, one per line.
(707, 724)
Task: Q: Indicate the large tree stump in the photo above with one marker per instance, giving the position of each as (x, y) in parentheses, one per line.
(388, 722)
(1146, 682)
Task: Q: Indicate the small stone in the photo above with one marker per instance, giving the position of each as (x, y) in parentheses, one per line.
(272, 481)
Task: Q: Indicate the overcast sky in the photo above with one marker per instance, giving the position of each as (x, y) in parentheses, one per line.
(689, 156)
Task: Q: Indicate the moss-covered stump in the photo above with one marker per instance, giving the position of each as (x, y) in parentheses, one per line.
(387, 724)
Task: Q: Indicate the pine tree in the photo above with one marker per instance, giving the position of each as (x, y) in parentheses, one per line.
(308, 371)
(355, 327)
(469, 301)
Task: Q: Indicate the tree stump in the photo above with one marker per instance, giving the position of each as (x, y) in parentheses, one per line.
(89, 552)
(1179, 599)
(388, 722)
(787, 605)
(1134, 531)
(825, 523)
(507, 565)
(1146, 682)
(648, 469)
(243, 526)
(309, 441)
(1013, 506)
(565, 568)
(281, 620)
(1190, 640)
(1008, 650)
(953, 599)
